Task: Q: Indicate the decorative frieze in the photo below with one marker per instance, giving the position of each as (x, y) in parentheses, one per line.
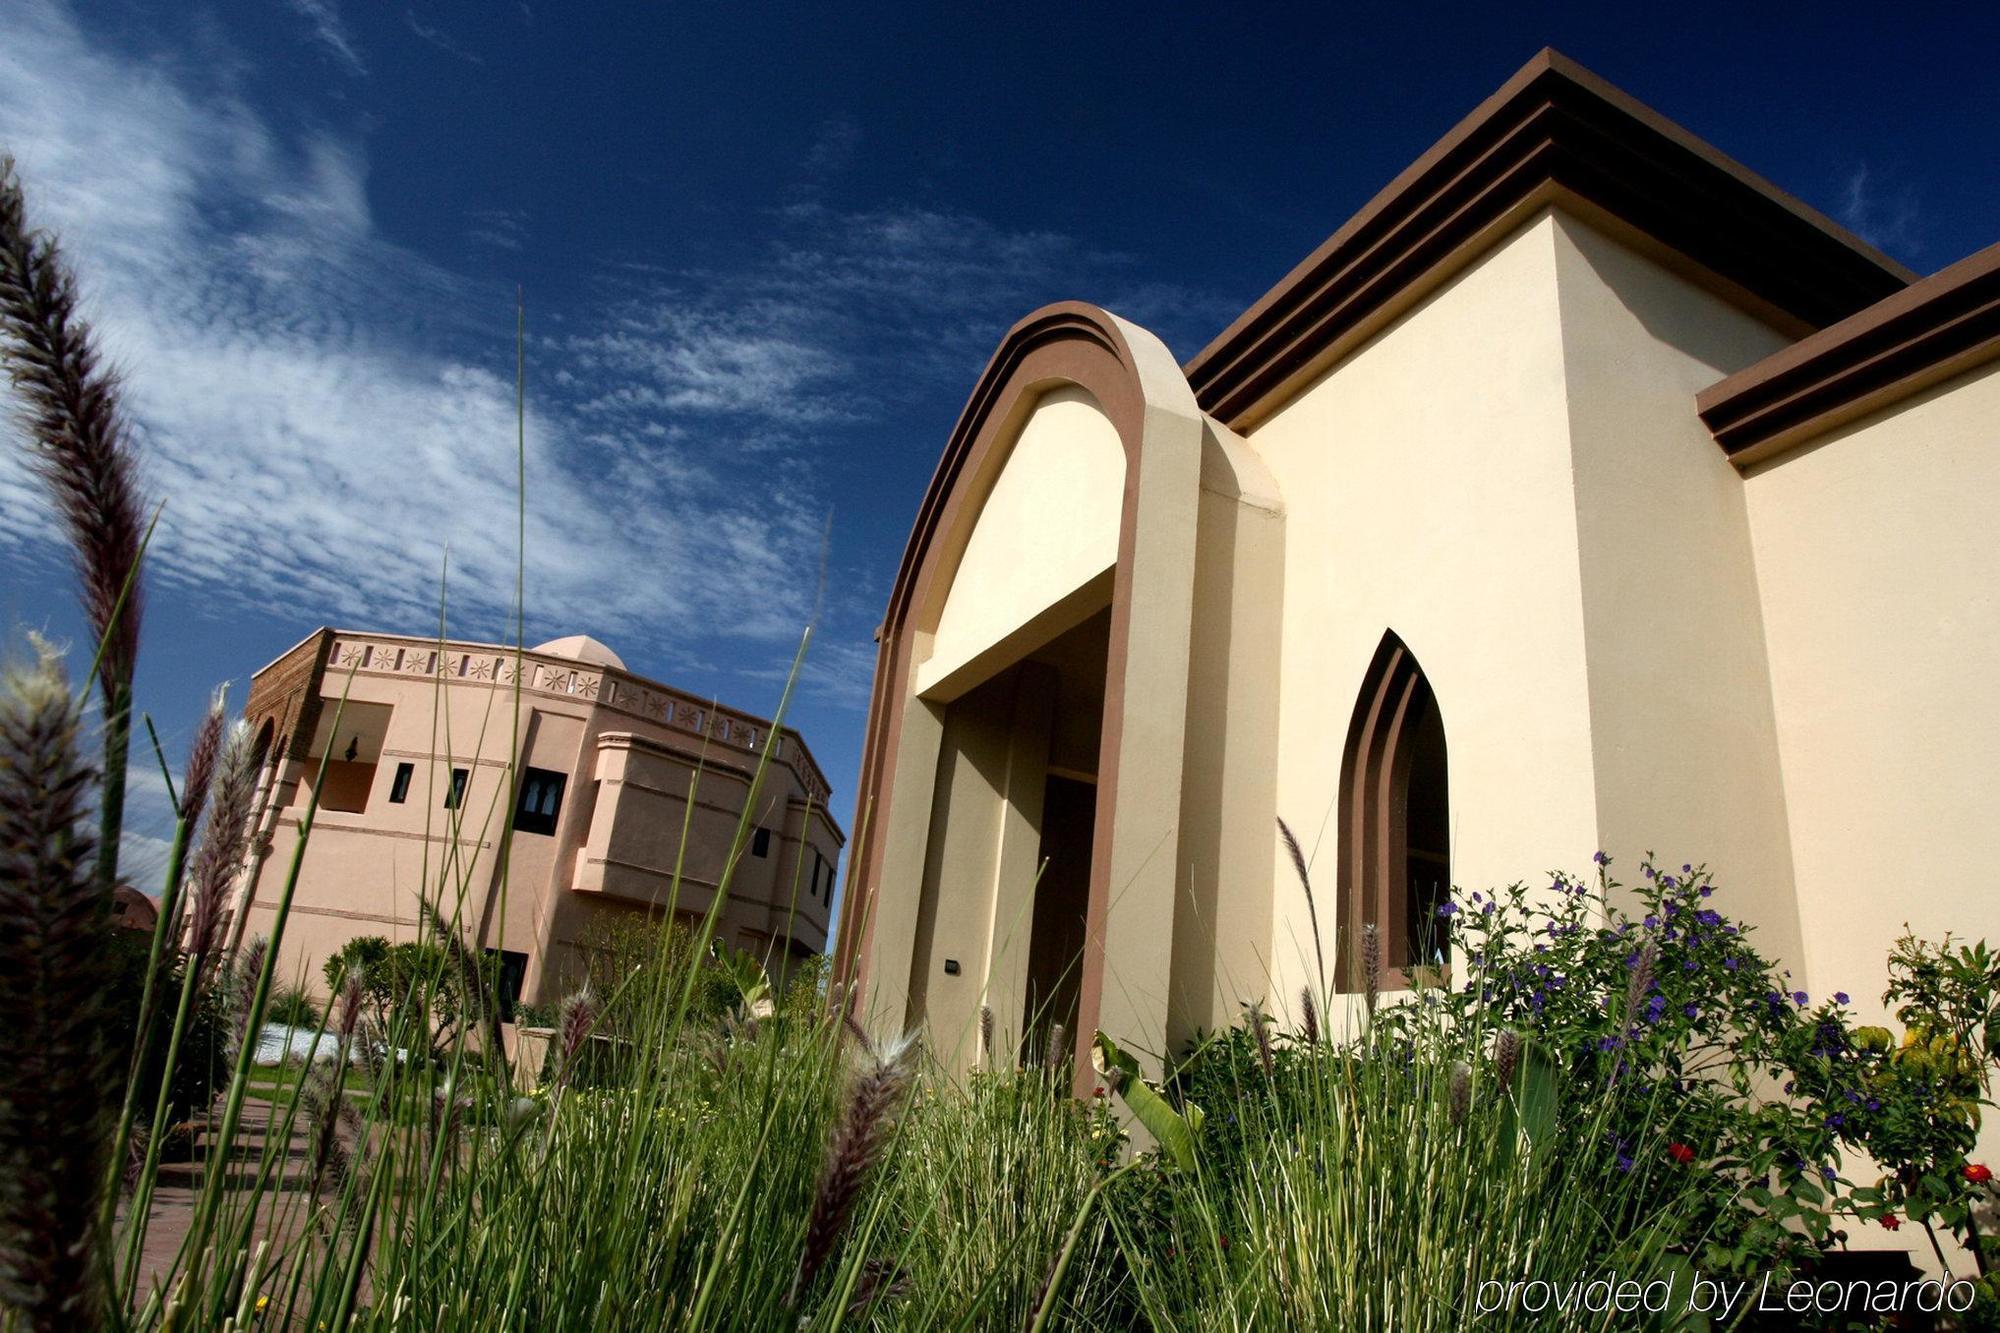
(562, 678)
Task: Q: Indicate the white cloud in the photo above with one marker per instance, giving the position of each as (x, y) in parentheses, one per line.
(327, 412)
(850, 311)
(1886, 220)
(330, 31)
(306, 404)
(439, 38)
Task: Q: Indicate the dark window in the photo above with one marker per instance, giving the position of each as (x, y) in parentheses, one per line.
(541, 800)
(399, 789)
(1395, 823)
(457, 792)
(760, 842)
(509, 968)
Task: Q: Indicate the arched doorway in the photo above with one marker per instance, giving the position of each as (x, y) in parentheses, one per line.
(1395, 823)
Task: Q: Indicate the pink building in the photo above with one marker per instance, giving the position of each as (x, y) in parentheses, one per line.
(583, 776)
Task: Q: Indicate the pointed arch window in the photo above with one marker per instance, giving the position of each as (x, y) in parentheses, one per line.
(1395, 822)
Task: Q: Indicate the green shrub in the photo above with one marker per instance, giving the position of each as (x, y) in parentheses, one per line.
(293, 1007)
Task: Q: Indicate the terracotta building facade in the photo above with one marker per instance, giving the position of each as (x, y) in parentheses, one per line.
(435, 761)
(1584, 491)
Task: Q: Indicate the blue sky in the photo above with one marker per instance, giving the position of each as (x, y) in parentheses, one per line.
(765, 250)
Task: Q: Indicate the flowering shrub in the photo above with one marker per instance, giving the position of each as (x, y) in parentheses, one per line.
(1652, 988)
(1913, 1104)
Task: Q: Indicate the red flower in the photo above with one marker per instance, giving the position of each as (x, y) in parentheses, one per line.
(1978, 1173)
(1097, 1092)
(1889, 1221)
(1680, 1152)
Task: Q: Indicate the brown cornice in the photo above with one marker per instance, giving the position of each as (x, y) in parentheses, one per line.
(1948, 323)
(1554, 133)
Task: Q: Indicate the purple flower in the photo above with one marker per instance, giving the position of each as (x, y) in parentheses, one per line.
(1652, 923)
(1707, 889)
(1708, 916)
(1836, 1120)
(1625, 1163)
(1874, 1105)
(1799, 996)
(1829, 1173)
(1655, 1007)
(1686, 869)
(1690, 965)
(1690, 1011)
(1601, 859)
(1649, 872)
(1666, 881)
(1448, 909)
(1731, 964)
(1486, 910)
(1840, 997)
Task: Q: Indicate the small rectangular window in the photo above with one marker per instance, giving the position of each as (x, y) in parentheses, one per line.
(508, 968)
(399, 789)
(819, 877)
(541, 800)
(760, 842)
(457, 792)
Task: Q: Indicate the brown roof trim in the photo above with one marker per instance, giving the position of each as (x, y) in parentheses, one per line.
(1943, 325)
(1553, 132)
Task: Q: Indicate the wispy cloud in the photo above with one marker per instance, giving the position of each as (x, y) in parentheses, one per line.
(330, 31)
(501, 228)
(1886, 218)
(439, 38)
(851, 313)
(328, 412)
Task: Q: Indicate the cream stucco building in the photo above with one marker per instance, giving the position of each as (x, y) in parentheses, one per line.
(430, 777)
(1584, 491)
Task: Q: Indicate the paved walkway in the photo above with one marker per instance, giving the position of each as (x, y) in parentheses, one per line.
(181, 1183)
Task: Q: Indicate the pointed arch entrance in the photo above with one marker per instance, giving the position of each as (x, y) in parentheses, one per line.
(1395, 822)
(941, 807)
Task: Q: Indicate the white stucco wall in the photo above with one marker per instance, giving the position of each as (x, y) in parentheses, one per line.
(1428, 489)
(1881, 591)
(1048, 527)
(1683, 739)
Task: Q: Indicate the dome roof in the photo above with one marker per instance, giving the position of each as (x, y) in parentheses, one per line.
(580, 648)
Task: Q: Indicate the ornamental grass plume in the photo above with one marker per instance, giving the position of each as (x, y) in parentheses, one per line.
(1260, 1027)
(1461, 1092)
(852, 1152)
(203, 755)
(56, 1076)
(1305, 882)
(1308, 1016)
(240, 992)
(1058, 1046)
(1506, 1059)
(83, 454)
(333, 1125)
(574, 1026)
(1371, 967)
(986, 1034)
(1640, 982)
(212, 873)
